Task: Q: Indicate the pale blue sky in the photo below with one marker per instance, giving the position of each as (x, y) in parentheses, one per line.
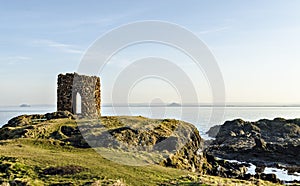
(256, 44)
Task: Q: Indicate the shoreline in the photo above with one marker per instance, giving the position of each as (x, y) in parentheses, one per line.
(213, 160)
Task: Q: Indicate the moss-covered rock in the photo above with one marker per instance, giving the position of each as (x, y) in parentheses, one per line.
(178, 141)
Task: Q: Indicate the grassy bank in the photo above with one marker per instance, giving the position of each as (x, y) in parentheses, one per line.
(30, 158)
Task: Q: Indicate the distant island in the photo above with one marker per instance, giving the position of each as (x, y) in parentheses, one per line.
(174, 105)
(25, 105)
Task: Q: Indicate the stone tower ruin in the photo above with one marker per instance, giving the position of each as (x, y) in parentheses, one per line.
(74, 91)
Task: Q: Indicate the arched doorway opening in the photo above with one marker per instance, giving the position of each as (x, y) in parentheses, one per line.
(78, 104)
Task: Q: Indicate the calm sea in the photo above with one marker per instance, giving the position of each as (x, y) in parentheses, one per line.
(201, 117)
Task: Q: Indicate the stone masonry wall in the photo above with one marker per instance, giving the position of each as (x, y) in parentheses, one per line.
(88, 87)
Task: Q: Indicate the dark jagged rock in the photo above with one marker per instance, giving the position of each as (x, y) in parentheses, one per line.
(223, 168)
(260, 169)
(265, 142)
(213, 131)
(268, 177)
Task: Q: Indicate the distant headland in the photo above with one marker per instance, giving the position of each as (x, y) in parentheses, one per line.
(25, 105)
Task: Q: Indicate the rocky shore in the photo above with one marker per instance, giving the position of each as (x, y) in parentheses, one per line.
(176, 143)
(264, 143)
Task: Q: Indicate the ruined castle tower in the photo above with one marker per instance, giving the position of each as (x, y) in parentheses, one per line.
(79, 94)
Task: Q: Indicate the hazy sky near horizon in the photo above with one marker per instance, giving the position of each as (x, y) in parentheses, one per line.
(256, 44)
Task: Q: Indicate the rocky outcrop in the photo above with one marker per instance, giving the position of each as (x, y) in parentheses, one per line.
(179, 141)
(263, 143)
(190, 156)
